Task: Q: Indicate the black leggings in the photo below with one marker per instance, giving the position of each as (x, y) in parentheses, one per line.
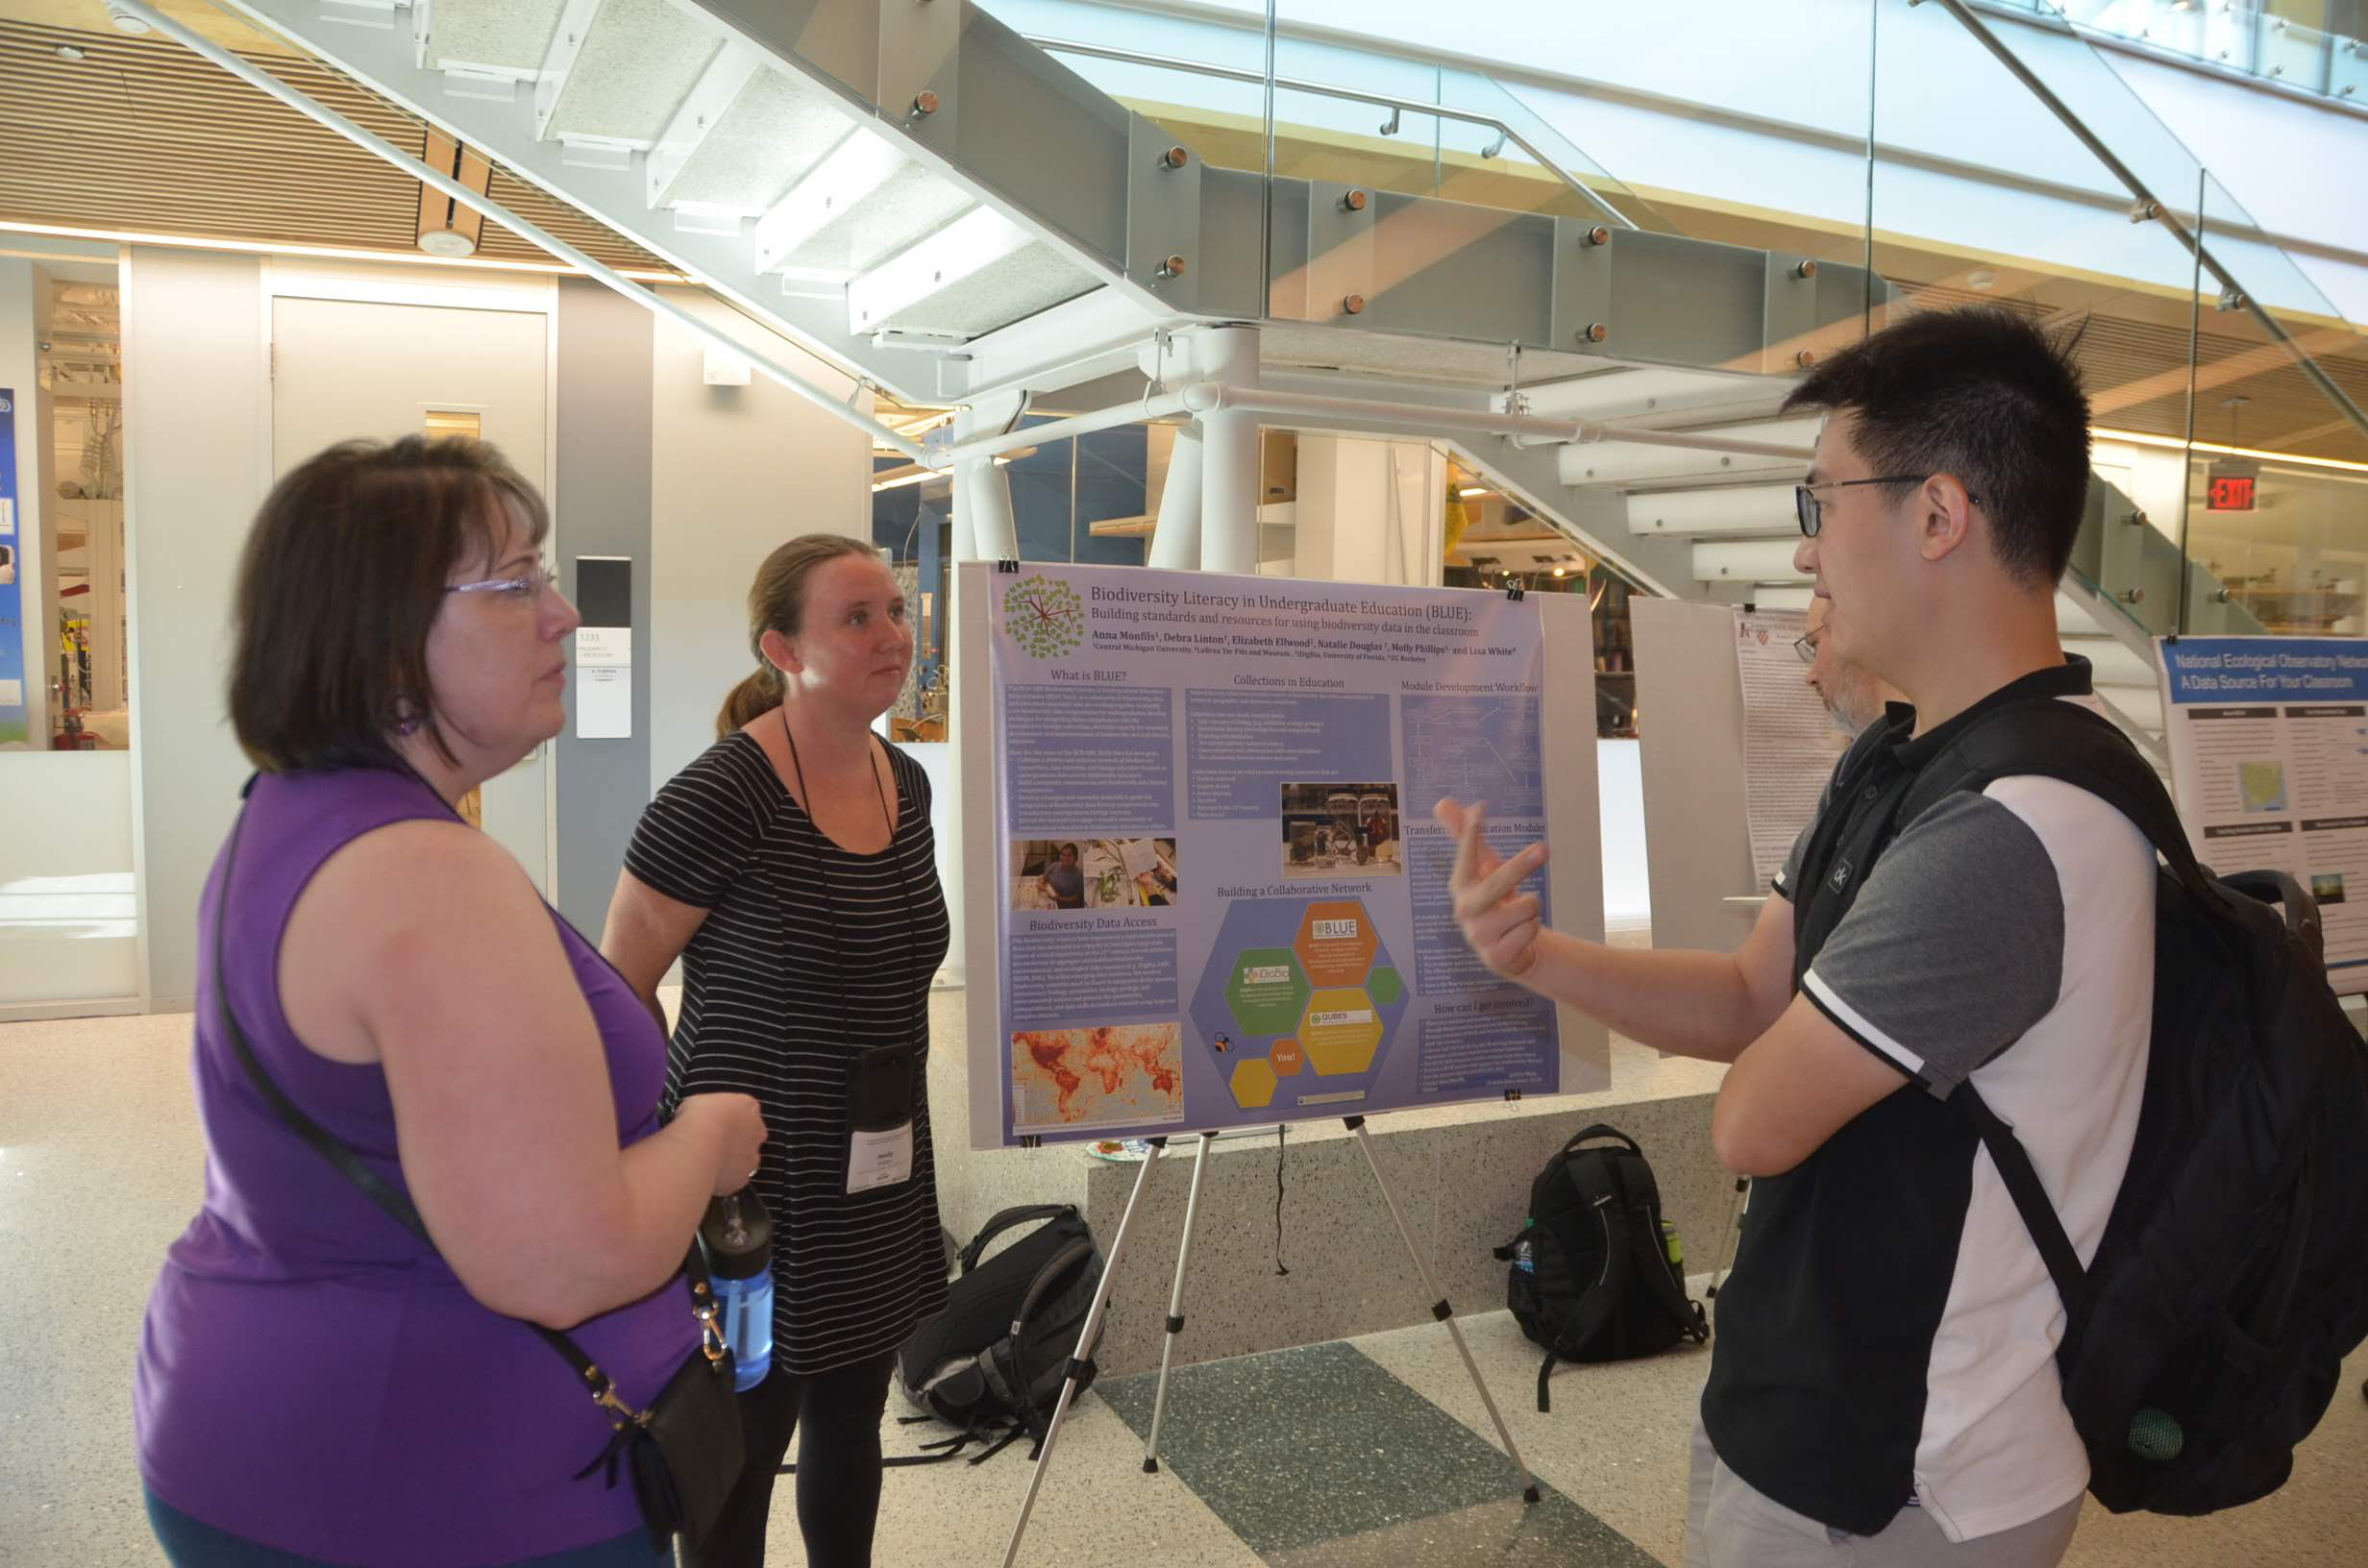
(835, 1415)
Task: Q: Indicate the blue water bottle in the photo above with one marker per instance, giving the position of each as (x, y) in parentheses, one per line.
(737, 1238)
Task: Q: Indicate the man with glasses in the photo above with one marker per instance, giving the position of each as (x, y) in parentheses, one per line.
(1883, 1388)
(1853, 698)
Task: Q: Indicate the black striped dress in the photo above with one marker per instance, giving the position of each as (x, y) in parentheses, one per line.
(767, 1010)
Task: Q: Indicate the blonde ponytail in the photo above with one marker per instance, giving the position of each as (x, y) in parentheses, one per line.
(759, 694)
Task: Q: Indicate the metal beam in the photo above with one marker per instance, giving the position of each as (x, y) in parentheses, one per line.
(475, 201)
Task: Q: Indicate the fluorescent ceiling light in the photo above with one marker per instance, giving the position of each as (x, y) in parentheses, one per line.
(334, 252)
(856, 167)
(969, 245)
(1470, 490)
(2172, 443)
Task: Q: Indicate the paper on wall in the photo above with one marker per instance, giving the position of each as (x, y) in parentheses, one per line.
(1789, 741)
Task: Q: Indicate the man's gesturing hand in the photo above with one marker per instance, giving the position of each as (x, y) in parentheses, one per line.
(1501, 926)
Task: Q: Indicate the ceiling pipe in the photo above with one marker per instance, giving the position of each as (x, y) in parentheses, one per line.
(840, 409)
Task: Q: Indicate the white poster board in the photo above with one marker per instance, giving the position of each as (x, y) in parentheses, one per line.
(1205, 889)
(2269, 767)
(1690, 729)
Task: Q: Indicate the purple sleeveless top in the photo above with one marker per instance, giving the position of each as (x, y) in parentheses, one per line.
(311, 1376)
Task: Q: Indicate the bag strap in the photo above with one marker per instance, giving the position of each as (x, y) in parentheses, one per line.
(2031, 1200)
(2064, 741)
(1003, 1221)
(374, 1187)
(1602, 1194)
(1046, 1276)
(1652, 1261)
(1601, 1130)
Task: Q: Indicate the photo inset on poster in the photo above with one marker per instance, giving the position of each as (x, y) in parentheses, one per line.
(1072, 1080)
(1093, 874)
(2326, 888)
(1341, 829)
(2261, 785)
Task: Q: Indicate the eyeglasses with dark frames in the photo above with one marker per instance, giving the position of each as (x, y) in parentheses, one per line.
(1810, 512)
(1806, 645)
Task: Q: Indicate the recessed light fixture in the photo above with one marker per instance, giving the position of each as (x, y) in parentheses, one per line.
(68, 51)
(125, 22)
(1470, 490)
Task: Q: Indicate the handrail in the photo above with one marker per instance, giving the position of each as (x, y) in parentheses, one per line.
(2151, 206)
(2150, 48)
(1324, 89)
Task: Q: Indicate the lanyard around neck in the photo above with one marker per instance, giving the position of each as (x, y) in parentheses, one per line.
(822, 870)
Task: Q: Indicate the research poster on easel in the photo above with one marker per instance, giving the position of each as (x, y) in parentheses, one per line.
(1220, 899)
(2269, 763)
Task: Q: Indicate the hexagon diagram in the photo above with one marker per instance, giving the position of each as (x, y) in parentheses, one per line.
(1306, 998)
(1266, 991)
(1341, 1031)
(1336, 944)
(1253, 1085)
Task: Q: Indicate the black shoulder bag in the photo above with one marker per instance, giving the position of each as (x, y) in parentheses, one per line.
(684, 1451)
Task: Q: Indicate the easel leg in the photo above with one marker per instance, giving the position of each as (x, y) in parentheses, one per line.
(1440, 1308)
(1175, 1306)
(1726, 1234)
(1085, 1340)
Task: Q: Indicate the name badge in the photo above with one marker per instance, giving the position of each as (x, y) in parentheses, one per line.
(879, 1159)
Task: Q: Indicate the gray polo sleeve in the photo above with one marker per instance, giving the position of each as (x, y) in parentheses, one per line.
(1954, 948)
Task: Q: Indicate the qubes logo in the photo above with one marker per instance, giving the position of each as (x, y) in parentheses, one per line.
(6, 407)
(1045, 617)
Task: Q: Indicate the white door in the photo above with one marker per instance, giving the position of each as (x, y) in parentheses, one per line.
(348, 368)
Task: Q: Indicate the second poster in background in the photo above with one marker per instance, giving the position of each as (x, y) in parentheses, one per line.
(1223, 901)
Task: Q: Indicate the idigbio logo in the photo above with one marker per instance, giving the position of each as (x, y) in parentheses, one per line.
(1045, 617)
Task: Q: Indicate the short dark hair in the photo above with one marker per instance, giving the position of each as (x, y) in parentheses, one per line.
(344, 573)
(1982, 395)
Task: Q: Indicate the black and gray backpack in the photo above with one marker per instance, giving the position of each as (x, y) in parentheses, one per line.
(991, 1361)
(1594, 1277)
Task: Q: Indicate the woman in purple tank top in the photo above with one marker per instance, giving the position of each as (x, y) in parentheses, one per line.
(315, 1385)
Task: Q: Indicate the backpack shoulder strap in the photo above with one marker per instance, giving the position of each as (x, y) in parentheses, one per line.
(2052, 738)
(1601, 1193)
(1652, 1262)
(1003, 1220)
(2030, 1201)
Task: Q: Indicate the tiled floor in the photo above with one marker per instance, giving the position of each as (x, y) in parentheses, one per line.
(1336, 1455)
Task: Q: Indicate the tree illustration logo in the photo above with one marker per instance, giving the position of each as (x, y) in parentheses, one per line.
(1045, 617)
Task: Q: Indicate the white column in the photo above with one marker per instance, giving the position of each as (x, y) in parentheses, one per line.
(1175, 543)
(983, 526)
(1229, 454)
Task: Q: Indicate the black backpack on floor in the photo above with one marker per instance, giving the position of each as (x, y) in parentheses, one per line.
(2209, 1332)
(1591, 1277)
(993, 1360)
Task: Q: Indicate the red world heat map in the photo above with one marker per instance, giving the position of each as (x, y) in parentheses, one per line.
(1111, 1056)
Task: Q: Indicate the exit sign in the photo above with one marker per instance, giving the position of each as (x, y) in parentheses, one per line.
(2230, 493)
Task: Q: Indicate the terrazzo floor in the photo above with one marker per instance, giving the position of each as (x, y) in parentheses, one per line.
(1369, 1451)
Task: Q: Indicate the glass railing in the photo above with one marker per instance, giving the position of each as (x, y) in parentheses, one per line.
(2283, 41)
(2228, 389)
(1966, 152)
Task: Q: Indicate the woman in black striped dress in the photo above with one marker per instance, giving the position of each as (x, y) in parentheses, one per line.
(791, 868)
